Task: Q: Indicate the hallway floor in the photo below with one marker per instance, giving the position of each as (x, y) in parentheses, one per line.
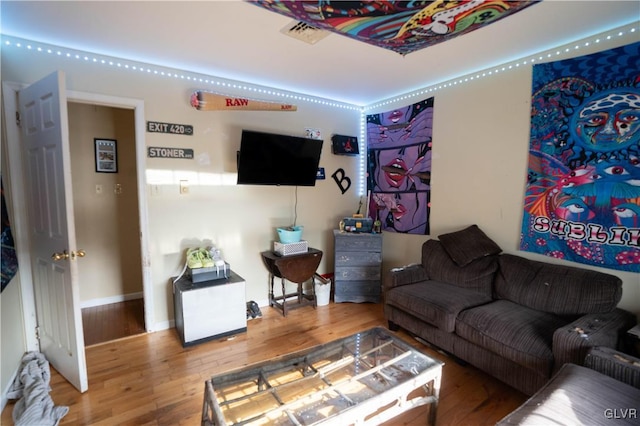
(113, 321)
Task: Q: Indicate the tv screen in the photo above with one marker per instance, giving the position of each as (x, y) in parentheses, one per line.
(272, 159)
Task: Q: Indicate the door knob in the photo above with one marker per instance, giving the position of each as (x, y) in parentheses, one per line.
(64, 255)
(78, 253)
(60, 256)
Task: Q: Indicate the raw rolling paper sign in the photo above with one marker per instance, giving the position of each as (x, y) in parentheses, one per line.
(209, 101)
(582, 199)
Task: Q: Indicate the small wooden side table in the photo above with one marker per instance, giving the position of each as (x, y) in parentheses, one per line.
(297, 268)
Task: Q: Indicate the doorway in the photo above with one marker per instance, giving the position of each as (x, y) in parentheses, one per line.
(105, 198)
(76, 374)
(135, 107)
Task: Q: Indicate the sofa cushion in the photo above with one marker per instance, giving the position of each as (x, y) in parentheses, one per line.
(434, 302)
(468, 244)
(477, 276)
(512, 331)
(562, 290)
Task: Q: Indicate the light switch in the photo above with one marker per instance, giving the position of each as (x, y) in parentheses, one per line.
(99, 189)
(184, 187)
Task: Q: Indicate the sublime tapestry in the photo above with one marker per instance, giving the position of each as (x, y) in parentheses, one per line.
(399, 170)
(582, 200)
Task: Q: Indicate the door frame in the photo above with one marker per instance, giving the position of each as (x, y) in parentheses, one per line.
(20, 223)
(137, 105)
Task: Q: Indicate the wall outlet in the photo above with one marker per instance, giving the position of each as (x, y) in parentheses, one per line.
(184, 187)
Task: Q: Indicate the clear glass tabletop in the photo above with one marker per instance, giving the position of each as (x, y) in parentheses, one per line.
(347, 379)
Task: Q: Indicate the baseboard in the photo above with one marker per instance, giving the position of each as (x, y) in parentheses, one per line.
(113, 299)
(163, 325)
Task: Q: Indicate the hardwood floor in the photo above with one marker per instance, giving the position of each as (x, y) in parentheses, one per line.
(151, 380)
(113, 321)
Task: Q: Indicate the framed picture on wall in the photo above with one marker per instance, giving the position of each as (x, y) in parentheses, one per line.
(345, 145)
(106, 155)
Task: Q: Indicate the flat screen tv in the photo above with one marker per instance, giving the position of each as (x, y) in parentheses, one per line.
(272, 159)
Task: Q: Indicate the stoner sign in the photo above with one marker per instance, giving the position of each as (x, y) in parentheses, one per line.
(158, 152)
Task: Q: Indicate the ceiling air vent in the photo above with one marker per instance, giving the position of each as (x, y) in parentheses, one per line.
(305, 32)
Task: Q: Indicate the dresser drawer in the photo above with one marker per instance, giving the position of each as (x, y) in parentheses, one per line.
(358, 242)
(355, 258)
(357, 291)
(347, 273)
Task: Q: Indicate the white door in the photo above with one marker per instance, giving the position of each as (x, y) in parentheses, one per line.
(45, 139)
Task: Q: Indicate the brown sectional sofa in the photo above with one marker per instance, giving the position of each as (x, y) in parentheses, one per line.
(517, 319)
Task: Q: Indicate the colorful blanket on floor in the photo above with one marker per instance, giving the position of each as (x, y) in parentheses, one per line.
(582, 200)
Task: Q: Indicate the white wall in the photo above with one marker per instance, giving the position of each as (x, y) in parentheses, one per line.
(241, 220)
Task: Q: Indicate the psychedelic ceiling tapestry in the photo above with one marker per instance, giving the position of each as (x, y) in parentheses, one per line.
(582, 200)
(399, 167)
(401, 26)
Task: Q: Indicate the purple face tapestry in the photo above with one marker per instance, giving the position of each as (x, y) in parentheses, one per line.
(582, 200)
(399, 171)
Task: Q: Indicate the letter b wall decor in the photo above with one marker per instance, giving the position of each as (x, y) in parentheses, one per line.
(343, 181)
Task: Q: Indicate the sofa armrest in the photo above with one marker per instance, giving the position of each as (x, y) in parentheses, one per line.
(405, 275)
(622, 367)
(572, 342)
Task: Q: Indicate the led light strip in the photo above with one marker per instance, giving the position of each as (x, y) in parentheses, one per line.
(220, 82)
(551, 54)
(362, 165)
(217, 83)
(126, 65)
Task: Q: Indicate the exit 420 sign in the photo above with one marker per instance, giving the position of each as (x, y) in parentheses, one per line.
(174, 129)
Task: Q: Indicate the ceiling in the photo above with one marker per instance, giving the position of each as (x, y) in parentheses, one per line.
(241, 41)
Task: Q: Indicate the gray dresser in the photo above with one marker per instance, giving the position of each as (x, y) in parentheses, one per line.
(358, 267)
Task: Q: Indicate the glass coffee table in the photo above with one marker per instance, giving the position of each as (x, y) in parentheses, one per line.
(367, 378)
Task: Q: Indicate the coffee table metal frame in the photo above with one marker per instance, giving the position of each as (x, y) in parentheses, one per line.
(364, 379)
